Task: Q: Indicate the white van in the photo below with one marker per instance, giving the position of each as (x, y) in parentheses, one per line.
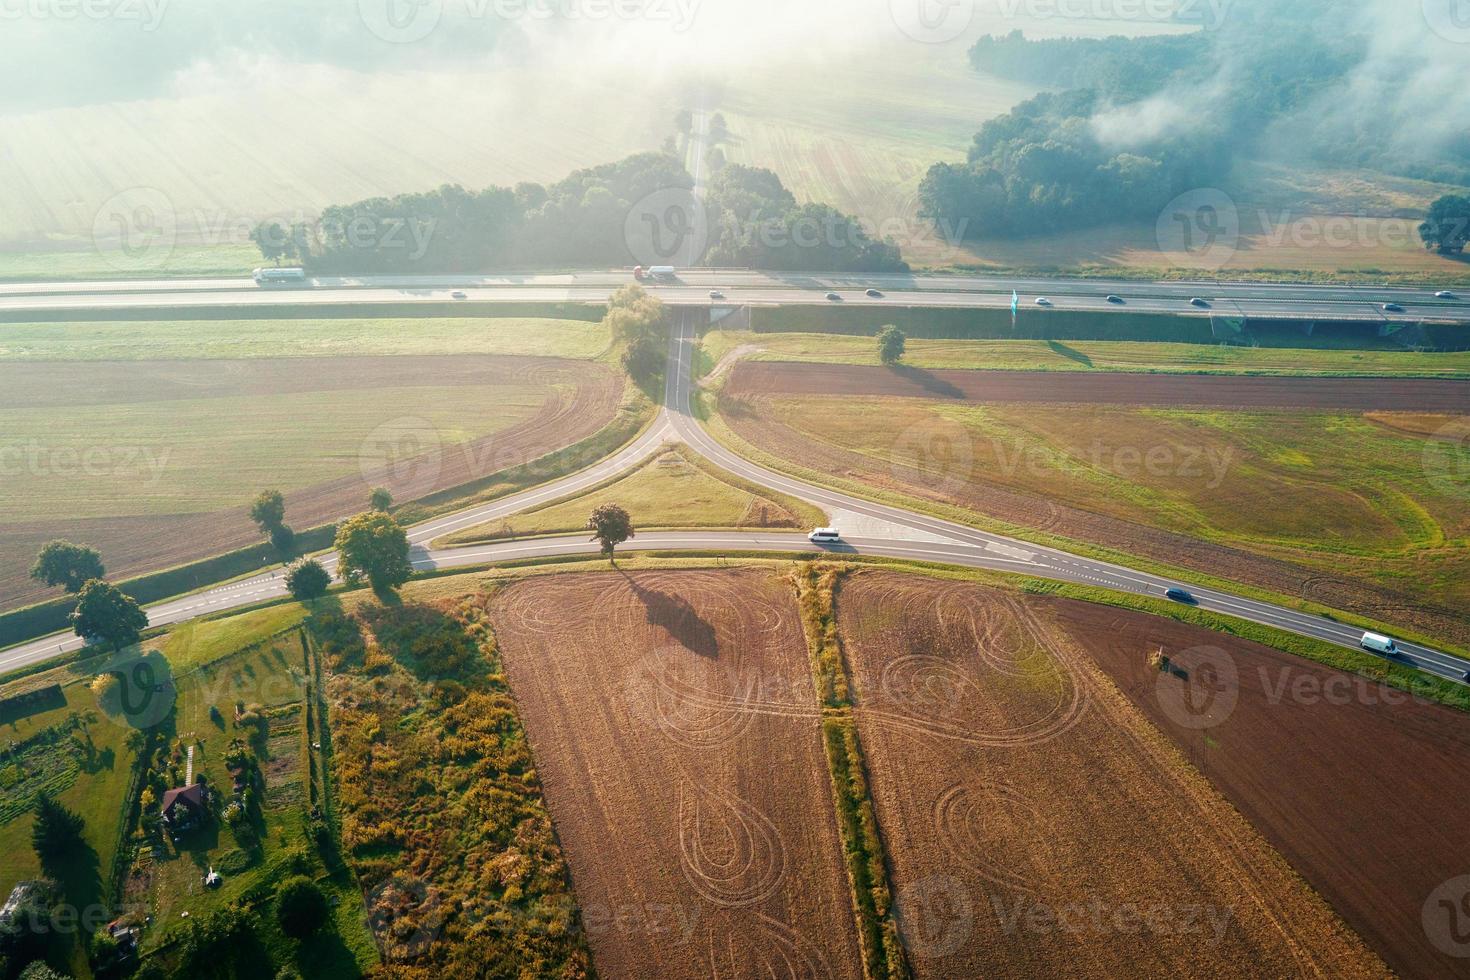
(1378, 643)
(824, 535)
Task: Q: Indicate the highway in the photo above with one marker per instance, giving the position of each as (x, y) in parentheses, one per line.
(693, 288)
(887, 531)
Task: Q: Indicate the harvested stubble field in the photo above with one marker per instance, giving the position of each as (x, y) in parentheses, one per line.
(325, 434)
(676, 734)
(1254, 480)
(1359, 786)
(1036, 825)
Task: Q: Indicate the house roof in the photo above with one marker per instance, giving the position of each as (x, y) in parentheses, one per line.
(191, 795)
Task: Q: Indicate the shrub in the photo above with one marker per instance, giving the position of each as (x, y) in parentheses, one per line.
(301, 907)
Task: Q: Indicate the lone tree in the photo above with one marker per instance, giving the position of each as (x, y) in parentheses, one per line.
(891, 342)
(718, 128)
(274, 241)
(306, 579)
(68, 565)
(1447, 228)
(683, 121)
(374, 547)
(301, 908)
(105, 612)
(268, 511)
(380, 499)
(610, 526)
(56, 832)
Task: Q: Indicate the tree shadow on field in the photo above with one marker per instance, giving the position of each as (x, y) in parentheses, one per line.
(928, 381)
(675, 614)
(1070, 353)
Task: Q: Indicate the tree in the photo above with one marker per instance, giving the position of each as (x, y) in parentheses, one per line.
(68, 565)
(268, 511)
(380, 499)
(643, 358)
(374, 547)
(683, 121)
(891, 342)
(274, 242)
(105, 612)
(1447, 228)
(56, 831)
(306, 579)
(718, 128)
(39, 970)
(301, 908)
(611, 526)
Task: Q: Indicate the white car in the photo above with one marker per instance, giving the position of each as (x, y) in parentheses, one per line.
(824, 535)
(1042, 301)
(1445, 294)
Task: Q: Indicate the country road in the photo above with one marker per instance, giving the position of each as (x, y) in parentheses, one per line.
(874, 529)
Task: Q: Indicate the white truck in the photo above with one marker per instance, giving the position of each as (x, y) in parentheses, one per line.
(1378, 643)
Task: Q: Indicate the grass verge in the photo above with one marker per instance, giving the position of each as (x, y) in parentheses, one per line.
(862, 843)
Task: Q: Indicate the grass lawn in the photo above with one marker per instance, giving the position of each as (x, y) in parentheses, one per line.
(676, 489)
(201, 642)
(181, 455)
(89, 263)
(1082, 355)
(195, 339)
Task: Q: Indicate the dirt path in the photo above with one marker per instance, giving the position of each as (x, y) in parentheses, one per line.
(1051, 387)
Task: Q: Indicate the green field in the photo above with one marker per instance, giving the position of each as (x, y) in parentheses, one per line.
(675, 490)
(171, 340)
(1076, 355)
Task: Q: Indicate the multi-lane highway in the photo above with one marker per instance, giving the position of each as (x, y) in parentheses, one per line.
(885, 531)
(693, 288)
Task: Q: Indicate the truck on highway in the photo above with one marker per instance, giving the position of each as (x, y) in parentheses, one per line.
(1378, 643)
(280, 277)
(661, 273)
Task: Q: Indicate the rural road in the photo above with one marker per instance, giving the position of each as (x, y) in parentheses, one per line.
(692, 288)
(884, 531)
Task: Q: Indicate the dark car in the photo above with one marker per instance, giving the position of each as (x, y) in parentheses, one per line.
(458, 294)
(1114, 299)
(1392, 308)
(1180, 595)
(1200, 303)
(834, 297)
(874, 294)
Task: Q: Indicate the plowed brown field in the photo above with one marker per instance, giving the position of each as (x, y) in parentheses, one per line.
(1360, 787)
(1104, 388)
(580, 398)
(676, 734)
(1037, 826)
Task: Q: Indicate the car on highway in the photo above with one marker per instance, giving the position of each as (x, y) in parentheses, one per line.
(1042, 301)
(1113, 298)
(834, 297)
(1202, 304)
(1180, 595)
(1378, 643)
(1392, 308)
(824, 535)
(873, 294)
(716, 294)
(1445, 294)
(458, 294)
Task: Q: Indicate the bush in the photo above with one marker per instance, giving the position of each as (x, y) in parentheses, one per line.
(301, 907)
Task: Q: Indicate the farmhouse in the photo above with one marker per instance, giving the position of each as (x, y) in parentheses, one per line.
(185, 807)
